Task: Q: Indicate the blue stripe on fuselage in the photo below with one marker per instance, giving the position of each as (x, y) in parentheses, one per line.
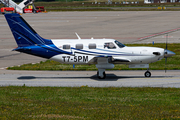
(45, 51)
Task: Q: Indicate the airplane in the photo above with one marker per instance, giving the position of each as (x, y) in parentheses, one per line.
(102, 52)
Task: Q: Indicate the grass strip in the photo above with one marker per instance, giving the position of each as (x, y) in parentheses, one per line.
(89, 103)
(173, 63)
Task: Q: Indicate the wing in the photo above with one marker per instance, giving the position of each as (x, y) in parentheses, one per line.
(109, 59)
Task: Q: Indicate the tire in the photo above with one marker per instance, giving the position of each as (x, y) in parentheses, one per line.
(147, 74)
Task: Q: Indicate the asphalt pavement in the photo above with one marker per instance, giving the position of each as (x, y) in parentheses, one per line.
(89, 78)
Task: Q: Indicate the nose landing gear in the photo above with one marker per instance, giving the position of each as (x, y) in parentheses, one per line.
(147, 74)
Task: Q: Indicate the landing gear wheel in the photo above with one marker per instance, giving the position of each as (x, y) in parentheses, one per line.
(101, 77)
(147, 74)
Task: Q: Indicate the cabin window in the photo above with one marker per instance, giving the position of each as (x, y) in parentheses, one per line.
(119, 44)
(79, 46)
(92, 46)
(66, 47)
(109, 45)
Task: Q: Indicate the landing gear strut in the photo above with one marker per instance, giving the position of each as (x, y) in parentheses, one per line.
(101, 74)
(147, 74)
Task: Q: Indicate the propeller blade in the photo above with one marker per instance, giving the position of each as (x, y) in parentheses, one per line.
(166, 40)
(166, 52)
(165, 64)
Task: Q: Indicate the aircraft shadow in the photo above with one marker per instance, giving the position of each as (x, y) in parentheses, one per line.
(109, 77)
(113, 77)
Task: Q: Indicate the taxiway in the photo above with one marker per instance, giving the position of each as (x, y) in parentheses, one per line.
(88, 78)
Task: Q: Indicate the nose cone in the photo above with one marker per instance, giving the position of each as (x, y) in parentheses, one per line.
(168, 53)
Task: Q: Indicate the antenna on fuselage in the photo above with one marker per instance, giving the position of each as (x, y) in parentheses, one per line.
(78, 36)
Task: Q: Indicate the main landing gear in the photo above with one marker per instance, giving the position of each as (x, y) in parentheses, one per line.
(101, 74)
(147, 74)
(102, 65)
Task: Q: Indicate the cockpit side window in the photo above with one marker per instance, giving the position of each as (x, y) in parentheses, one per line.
(109, 45)
(119, 44)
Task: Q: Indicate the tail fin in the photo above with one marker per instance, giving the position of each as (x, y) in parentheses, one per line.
(23, 32)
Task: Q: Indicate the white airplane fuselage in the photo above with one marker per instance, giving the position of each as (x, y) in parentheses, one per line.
(135, 55)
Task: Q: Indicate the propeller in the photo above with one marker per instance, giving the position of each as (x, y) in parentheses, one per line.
(165, 52)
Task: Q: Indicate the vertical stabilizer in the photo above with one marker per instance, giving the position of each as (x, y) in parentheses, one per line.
(23, 32)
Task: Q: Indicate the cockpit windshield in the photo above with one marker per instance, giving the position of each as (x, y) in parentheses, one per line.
(119, 44)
